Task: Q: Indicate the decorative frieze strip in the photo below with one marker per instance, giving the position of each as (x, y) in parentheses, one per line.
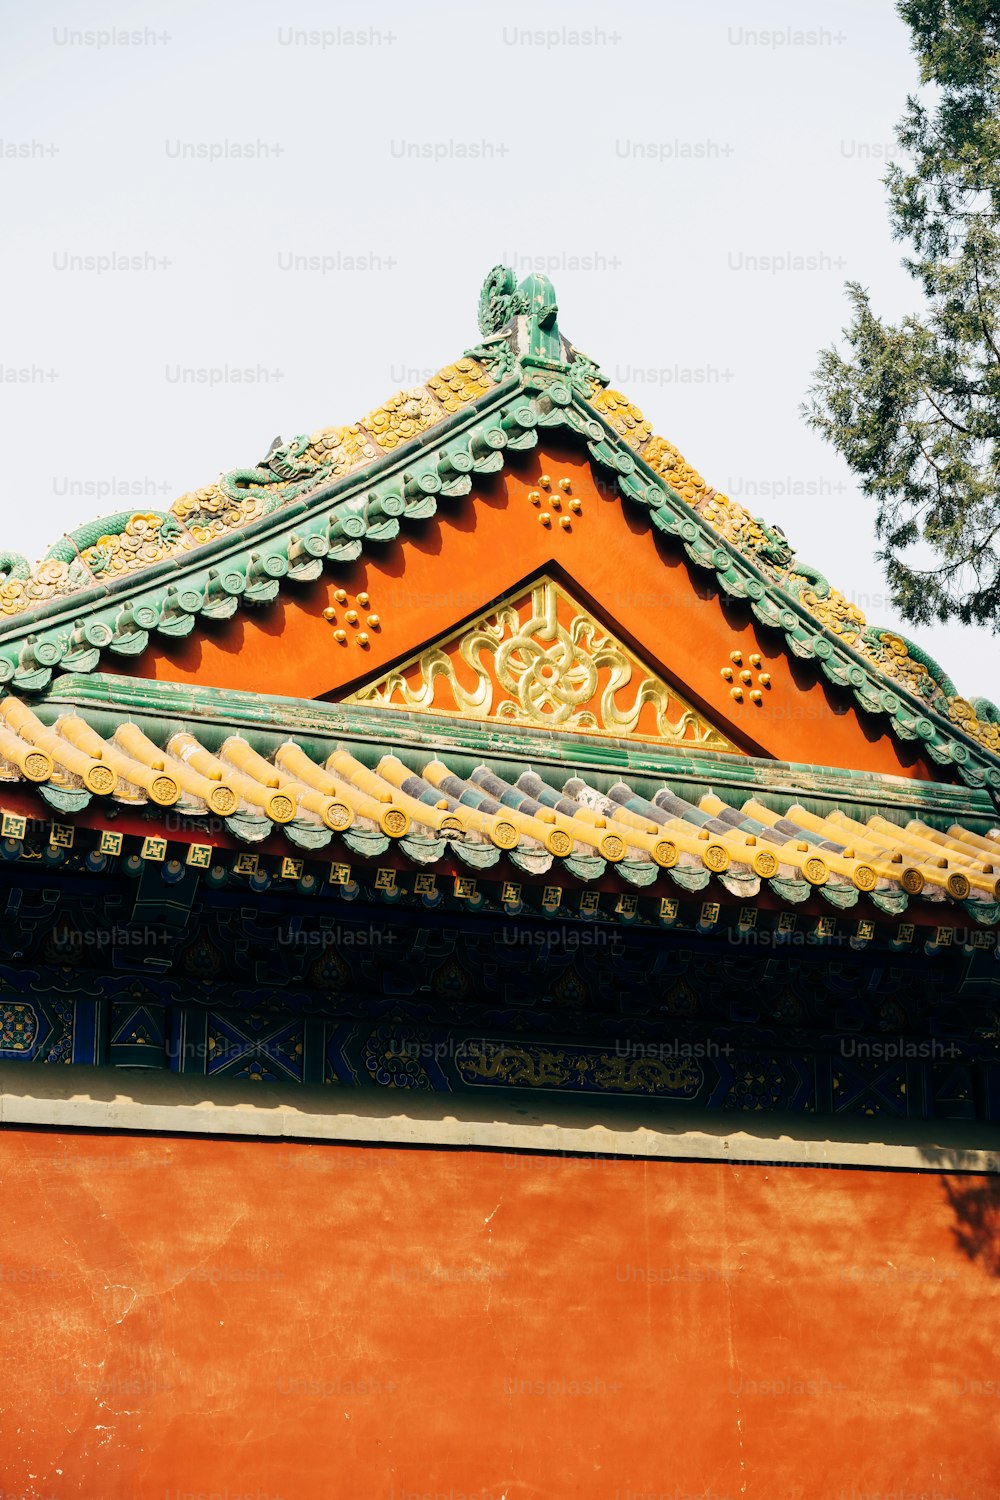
(726, 915)
(728, 1069)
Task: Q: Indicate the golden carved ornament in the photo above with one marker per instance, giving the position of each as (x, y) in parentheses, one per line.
(345, 448)
(625, 418)
(99, 779)
(764, 863)
(394, 822)
(836, 612)
(895, 660)
(48, 581)
(457, 385)
(140, 544)
(716, 858)
(541, 659)
(545, 1067)
(222, 800)
(164, 791)
(504, 835)
(964, 715)
(664, 458)
(37, 765)
(209, 512)
(404, 416)
(280, 808)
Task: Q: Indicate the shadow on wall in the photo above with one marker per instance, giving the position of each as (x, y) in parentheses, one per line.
(974, 1200)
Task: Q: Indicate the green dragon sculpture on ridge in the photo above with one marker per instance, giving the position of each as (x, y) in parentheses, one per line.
(69, 547)
(281, 476)
(14, 565)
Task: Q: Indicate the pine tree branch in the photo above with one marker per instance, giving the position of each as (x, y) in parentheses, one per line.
(943, 415)
(982, 315)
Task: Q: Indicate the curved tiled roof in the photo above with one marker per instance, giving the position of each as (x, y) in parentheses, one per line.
(435, 805)
(317, 501)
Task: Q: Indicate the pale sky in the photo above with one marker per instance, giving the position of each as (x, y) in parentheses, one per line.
(668, 165)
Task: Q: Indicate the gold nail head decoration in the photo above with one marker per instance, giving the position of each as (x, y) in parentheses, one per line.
(340, 595)
(737, 693)
(746, 676)
(374, 621)
(362, 637)
(340, 635)
(329, 614)
(757, 696)
(545, 482)
(565, 522)
(351, 617)
(364, 601)
(545, 518)
(575, 506)
(755, 659)
(727, 673)
(765, 679)
(534, 497)
(737, 657)
(565, 485)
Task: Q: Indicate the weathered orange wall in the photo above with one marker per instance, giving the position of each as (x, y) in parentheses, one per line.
(476, 550)
(187, 1316)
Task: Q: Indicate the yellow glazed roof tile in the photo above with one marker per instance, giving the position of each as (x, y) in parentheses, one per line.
(427, 809)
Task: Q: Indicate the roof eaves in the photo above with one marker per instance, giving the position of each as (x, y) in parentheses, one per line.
(266, 720)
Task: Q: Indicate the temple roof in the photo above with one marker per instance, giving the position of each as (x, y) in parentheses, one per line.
(332, 780)
(315, 503)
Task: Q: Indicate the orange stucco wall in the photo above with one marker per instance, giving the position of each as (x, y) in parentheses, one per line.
(194, 1317)
(478, 549)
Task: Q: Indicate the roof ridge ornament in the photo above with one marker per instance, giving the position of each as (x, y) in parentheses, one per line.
(519, 325)
(543, 340)
(499, 301)
(531, 307)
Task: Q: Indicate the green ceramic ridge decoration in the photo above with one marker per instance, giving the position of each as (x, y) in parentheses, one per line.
(70, 547)
(986, 710)
(14, 565)
(878, 633)
(283, 475)
(499, 301)
(776, 548)
(816, 581)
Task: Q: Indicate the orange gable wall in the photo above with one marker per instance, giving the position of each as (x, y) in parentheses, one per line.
(204, 1317)
(477, 550)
